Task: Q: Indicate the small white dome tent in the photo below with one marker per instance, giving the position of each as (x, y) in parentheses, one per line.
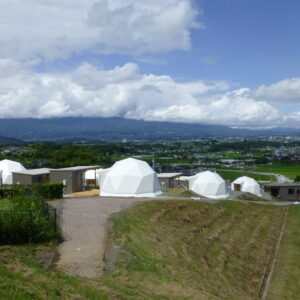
(208, 184)
(129, 178)
(8, 167)
(246, 184)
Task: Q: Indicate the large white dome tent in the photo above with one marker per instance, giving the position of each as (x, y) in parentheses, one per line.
(130, 178)
(208, 184)
(246, 184)
(100, 173)
(8, 167)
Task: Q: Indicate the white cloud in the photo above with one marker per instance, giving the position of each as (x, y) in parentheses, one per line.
(285, 90)
(54, 29)
(124, 91)
(143, 26)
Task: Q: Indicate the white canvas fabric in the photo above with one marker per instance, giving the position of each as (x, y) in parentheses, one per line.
(8, 167)
(129, 178)
(0, 176)
(90, 174)
(248, 185)
(100, 174)
(208, 184)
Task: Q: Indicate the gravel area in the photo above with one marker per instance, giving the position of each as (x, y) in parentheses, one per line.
(83, 222)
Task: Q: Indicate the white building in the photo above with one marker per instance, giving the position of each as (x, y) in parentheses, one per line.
(246, 184)
(208, 184)
(8, 167)
(129, 178)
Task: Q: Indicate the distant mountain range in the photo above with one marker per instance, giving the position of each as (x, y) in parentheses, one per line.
(86, 129)
(7, 140)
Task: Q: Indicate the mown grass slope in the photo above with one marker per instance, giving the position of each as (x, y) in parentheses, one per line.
(285, 281)
(166, 250)
(192, 250)
(24, 277)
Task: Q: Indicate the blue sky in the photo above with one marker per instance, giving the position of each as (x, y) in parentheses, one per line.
(179, 61)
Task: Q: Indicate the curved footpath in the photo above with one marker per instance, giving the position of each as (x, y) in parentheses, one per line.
(83, 222)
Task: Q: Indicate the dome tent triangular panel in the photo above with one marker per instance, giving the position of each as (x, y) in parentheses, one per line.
(8, 167)
(208, 184)
(247, 184)
(130, 178)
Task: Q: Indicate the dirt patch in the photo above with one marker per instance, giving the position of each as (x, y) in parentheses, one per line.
(89, 193)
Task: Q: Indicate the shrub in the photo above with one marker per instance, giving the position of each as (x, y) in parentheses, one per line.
(10, 190)
(49, 190)
(28, 222)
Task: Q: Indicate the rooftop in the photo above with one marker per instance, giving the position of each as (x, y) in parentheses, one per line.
(282, 184)
(32, 172)
(78, 168)
(169, 175)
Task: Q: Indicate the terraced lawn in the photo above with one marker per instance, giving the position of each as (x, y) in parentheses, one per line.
(192, 250)
(285, 281)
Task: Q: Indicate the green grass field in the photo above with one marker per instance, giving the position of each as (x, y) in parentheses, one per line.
(234, 175)
(288, 171)
(23, 277)
(285, 281)
(5, 204)
(167, 250)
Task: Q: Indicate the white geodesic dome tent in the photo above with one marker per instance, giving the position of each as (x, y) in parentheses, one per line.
(208, 184)
(129, 178)
(247, 184)
(100, 174)
(8, 167)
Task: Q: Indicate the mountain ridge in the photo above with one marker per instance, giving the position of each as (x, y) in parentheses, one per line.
(117, 128)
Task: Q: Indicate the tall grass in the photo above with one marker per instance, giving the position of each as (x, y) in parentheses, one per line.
(27, 222)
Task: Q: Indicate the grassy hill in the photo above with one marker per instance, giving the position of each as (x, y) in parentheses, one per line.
(285, 281)
(160, 250)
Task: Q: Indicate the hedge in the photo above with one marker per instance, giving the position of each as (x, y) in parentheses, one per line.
(10, 190)
(28, 222)
(46, 190)
(49, 190)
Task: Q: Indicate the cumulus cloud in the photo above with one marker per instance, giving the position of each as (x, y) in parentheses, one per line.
(143, 26)
(55, 29)
(284, 90)
(124, 91)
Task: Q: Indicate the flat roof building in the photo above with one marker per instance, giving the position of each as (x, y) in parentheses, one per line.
(168, 180)
(289, 191)
(30, 177)
(72, 178)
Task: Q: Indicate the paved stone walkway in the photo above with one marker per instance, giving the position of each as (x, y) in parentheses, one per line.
(83, 222)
